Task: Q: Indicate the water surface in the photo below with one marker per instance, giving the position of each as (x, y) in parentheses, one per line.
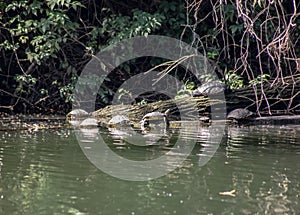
(254, 170)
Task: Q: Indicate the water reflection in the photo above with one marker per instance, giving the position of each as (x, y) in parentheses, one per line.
(151, 163)
(45, 172)
(264, 174)
(264, 135)
(138, 137)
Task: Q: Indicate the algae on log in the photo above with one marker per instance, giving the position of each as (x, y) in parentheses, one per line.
(269, 99)
(136, 112)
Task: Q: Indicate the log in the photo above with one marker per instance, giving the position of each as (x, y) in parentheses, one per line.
(271, 98)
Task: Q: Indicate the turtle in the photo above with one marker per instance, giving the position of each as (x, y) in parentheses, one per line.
(211, 88)
(156, 118)
(118, 120)
(89, 123)
(239, 114)
(77, 113)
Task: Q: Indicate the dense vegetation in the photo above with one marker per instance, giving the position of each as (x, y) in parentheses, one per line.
(45, 44)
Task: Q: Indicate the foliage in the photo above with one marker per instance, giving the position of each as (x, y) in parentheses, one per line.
(116, 27)
(45, 44)
(40, 27)
(260, 79)
(34, 34)
(175, 18)
(233, 80)
(255, 39)
(42, 33)
(186, 89)
(125, 95)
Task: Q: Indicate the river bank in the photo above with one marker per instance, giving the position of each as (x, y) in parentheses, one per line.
(42, 122)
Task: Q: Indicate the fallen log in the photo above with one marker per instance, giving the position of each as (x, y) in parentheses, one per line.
(275, 120)
(271, 98)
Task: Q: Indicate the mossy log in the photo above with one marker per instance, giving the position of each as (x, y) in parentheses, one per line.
(271, 98)
(136, 112)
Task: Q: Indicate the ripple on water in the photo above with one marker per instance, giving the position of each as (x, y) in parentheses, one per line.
(46, 172)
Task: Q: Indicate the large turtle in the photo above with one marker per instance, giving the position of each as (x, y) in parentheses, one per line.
(118, 120)
(89, 123)
(156, 119)
(211, 88)
(239, 114)
(77, 113)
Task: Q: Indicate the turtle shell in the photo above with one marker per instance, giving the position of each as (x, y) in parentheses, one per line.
(89, 122)
(155, 118)
(118, 120)
(210, 88)
(77, 113)
(240, 113)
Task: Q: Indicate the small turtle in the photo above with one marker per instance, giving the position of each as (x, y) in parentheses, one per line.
(77, 113)
(118, 120)
(156, 118)
(210, 88)
(239, 114)
(89, 123)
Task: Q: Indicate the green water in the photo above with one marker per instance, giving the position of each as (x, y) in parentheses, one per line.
(46, 172)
